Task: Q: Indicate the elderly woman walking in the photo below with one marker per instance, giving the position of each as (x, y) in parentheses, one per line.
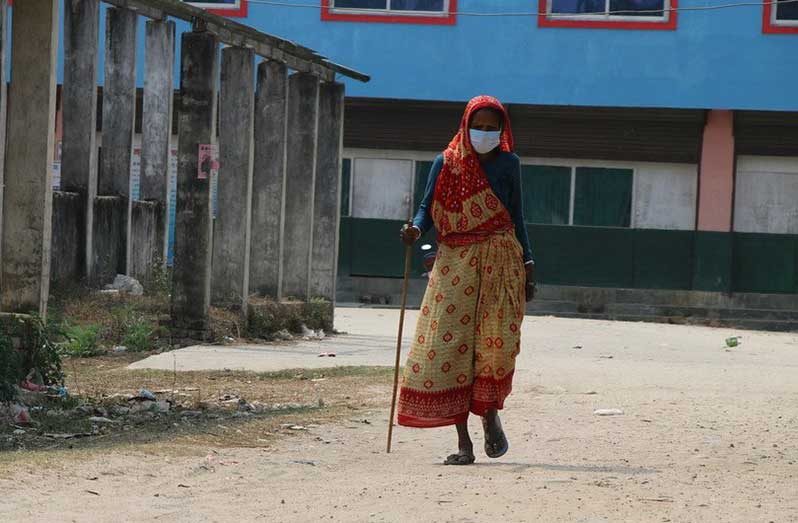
(469, 332)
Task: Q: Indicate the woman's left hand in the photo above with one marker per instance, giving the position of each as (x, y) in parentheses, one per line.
(529, 287)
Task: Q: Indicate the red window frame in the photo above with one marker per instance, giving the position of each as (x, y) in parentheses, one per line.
(667, 25)
(241, 11)
(768, 27)
(328, 14)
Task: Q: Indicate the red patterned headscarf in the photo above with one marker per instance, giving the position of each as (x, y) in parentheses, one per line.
(464, 201)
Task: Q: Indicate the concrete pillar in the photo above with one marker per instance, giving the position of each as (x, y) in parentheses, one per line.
(268, 179)
(3, 109)
(231, 238)
(716, 175)
(714, 244)
(156, 129)
(193, 224)
(79, 102)
(303, 104)
(27, 213)
(119, 112)
(327, 193)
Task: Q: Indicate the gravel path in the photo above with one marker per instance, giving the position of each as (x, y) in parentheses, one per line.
(707, 434)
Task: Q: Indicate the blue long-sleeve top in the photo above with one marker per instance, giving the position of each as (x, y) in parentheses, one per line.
(504, 176)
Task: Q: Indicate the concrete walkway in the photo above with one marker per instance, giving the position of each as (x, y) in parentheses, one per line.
(370, 340)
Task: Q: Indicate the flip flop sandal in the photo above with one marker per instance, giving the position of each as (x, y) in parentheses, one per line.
(496, 449)
(460, 459)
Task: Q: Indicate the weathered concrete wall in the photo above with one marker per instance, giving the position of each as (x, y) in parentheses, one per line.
(268, 178)
(766, 195)
(146, 225)
(110, 215)
(303, 104)
(231, 239)
(68, 254)
(193, 223)
(665, 196)
(79, 142)
(327, 192)
(27, 211)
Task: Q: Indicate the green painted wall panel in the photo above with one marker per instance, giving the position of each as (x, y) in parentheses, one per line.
(712, 262)
(373, 248)
(422, 175)
(346, 186)
(546, 194)
(663, 259)
(603, 197)
(764, 263)
(590, 256)
(606, 257)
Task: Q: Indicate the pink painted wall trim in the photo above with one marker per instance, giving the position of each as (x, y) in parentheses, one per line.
(716, 182)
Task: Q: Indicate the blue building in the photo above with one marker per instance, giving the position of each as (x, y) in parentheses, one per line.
(659, 138)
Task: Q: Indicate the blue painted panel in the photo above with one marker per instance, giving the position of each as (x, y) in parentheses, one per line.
(714, 59)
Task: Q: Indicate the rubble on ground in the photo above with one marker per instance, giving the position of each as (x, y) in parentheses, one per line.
(126, 284)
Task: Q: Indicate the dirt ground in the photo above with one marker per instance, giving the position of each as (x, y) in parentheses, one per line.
(707, 434)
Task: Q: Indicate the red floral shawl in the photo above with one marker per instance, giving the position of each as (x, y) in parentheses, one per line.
(464, 208)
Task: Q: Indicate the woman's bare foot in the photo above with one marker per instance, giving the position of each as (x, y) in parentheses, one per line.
(465, 456)
(496, 444)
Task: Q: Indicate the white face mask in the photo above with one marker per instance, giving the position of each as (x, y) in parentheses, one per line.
(484, 141)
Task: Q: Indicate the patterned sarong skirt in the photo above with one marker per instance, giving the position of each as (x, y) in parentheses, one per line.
(468, 334)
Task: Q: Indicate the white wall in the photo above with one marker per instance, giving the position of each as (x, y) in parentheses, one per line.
(766, 195)
(665, 196)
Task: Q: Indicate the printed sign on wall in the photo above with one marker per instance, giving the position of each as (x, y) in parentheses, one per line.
(231, 8)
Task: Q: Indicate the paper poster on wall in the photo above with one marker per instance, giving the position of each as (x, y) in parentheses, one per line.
(56, 176)
(208, 161)
(135, 174)
(57, 167)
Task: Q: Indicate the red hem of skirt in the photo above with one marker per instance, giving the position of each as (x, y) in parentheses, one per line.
(427, 423)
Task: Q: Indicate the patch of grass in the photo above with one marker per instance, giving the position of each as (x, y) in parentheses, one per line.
(9, 368)
(265, 317)
(139, 334)
(82, 341)
(159, 280)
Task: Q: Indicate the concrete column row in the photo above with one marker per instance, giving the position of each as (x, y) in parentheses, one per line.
(277, 225)
(294, 189)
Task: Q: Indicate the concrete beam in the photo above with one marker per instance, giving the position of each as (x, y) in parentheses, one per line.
(327, 192)
(193, 223)
(268, 186)
(303, 110)
(79, 102)
(231, 239)
(156, 128)
(233, 33)
(27, 213)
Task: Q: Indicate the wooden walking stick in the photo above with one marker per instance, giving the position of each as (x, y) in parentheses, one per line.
(408, 259)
